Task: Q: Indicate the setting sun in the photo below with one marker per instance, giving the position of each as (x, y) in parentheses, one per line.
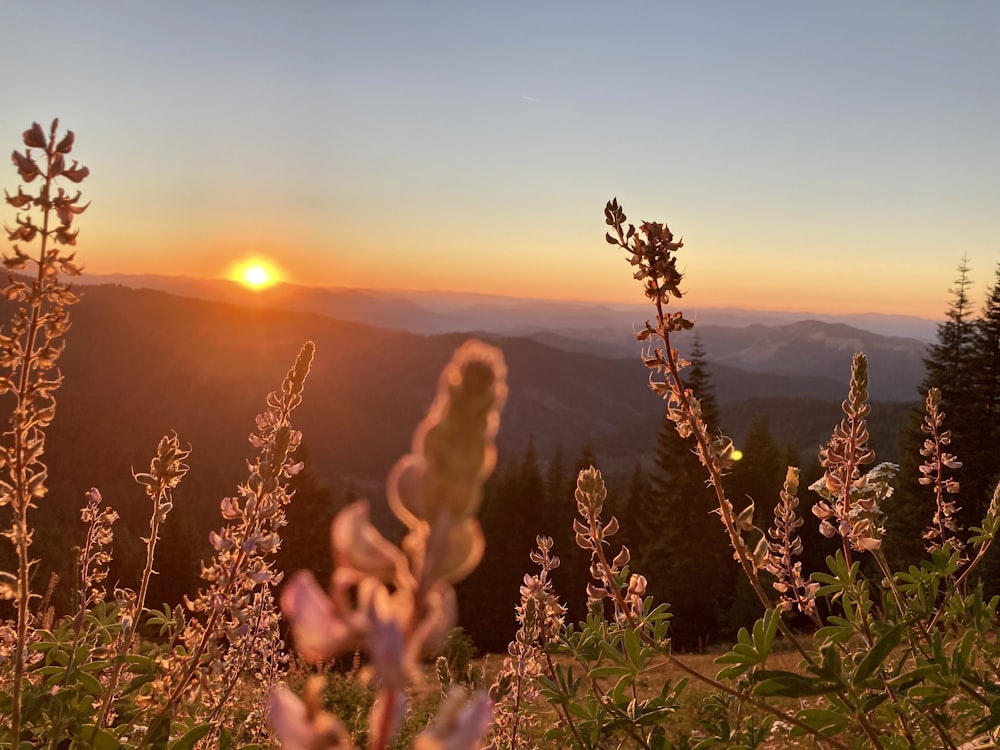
(255, 274)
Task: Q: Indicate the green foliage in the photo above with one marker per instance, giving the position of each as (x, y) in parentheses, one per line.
(458, 651)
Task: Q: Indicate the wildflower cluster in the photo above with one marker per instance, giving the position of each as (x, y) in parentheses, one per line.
(872, 690)
(399, 601)
(652, 250)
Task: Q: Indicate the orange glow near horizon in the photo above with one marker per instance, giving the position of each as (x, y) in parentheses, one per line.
(255, 274)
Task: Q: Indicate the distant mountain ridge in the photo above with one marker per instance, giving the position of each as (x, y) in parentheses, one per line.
(759, 342)
(444, 312)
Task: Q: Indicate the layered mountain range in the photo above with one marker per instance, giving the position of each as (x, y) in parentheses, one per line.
(140, 362)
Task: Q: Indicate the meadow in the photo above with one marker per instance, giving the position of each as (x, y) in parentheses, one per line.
(866, 653)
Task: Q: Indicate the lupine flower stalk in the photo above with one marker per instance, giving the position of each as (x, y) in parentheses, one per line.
(166, 469)
(652, 250)
(399, 601)
(936, 471)
(540, 617)
(96, 553)
(850, 505)
(31, 345)
(795, 589)
(592, 535)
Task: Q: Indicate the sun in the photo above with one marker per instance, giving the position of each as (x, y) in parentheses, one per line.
(255, 274)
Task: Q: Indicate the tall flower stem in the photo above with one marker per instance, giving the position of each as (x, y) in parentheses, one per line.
(652, 250)
(32, 349)
(166, 470)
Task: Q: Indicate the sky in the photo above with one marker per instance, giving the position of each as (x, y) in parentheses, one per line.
(830, 157)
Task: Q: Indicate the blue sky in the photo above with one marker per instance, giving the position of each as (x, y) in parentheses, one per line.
(835, 157)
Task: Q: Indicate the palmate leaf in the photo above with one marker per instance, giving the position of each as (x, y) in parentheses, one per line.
(191, 737)
(751, 649)
(991, 720)
(878, 653)
(828, 721)
(779, 683)
(94, 737)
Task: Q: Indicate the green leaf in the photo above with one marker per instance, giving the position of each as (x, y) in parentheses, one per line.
(822, 720)
(878, 653)
(187, 742)
(992, 720)
(610, 670)
(136, 682)
(788, 684)
(962, 655)
(633, 647)
(90, 683)
(95, 666)
(764, 631)
(97, 738)
(139, 663)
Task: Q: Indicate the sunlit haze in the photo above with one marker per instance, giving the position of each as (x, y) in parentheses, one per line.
(830, 157)
(255, 273)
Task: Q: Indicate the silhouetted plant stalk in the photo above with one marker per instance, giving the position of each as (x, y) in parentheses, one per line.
(96, 553)
(399, 601)
(30, 346)
(652, 250)
(93, 561)
(245, 546)
(166, 469)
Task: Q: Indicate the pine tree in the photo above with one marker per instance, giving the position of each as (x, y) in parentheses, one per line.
(510, 505)
(305, 540)
(636, 497)
(949, 360)
(676, 528)
(952, 364)
(556, 479)
(759, 474)
(986, 380)
(757, 477)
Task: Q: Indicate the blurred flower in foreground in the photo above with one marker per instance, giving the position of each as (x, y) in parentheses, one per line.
(399, 601)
